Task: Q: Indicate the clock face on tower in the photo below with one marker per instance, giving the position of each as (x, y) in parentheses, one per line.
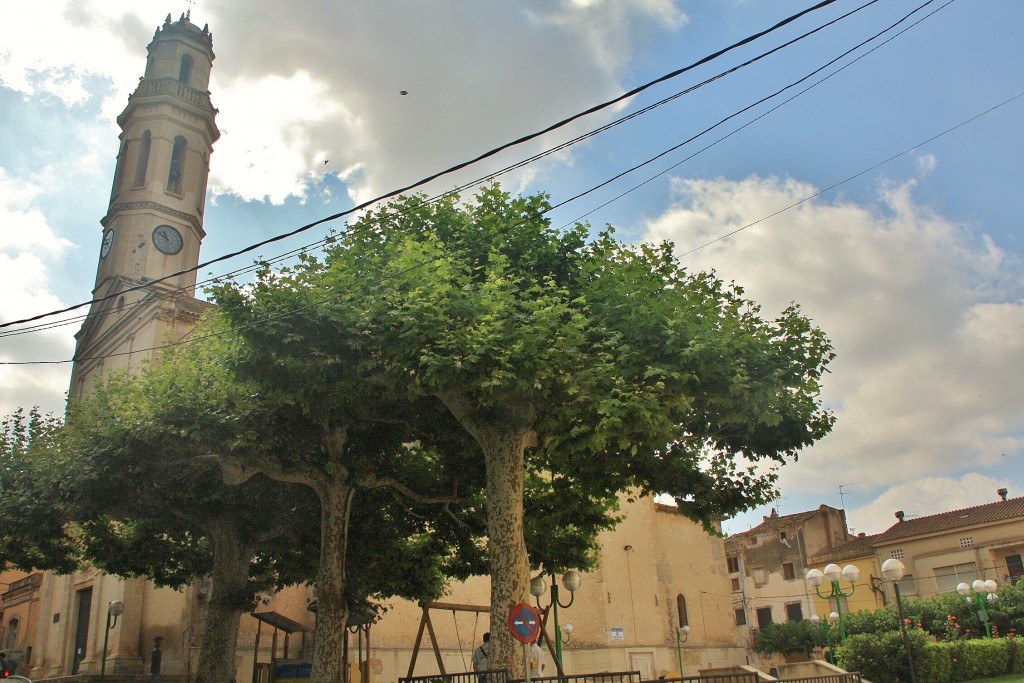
(167, 239)
(108, 240)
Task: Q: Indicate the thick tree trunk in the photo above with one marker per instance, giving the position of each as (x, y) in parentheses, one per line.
(504, 448)
(506, 544)
(231, 558)
(332, 611)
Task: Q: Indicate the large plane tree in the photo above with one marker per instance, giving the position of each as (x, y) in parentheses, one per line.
(301, 339)
(607, 367)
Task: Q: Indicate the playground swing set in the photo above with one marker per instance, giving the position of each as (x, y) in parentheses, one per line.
(426, 624)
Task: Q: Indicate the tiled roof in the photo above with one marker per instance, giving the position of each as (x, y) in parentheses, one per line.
(954, 519)
(777, 521)
(859, 546)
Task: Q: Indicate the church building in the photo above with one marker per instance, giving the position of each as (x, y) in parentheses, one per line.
(659, 572)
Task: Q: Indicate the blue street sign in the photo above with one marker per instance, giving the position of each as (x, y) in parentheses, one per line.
(524, 623)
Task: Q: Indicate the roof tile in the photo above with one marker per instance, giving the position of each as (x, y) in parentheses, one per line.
(954, 519)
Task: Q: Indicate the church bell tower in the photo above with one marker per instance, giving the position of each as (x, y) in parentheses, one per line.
(154, 223)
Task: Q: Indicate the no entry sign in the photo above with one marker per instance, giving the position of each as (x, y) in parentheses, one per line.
(523, 622)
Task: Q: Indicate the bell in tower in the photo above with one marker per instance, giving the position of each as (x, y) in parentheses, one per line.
(154, 223)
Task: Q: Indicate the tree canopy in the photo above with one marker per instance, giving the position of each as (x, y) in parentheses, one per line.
(599, 366)
(33, 507)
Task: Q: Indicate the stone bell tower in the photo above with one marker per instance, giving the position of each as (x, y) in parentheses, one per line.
(154, 223)
(153, 229)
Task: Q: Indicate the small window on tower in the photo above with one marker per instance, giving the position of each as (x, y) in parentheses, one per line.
(177, 167)
(186, 69)
(143, 159)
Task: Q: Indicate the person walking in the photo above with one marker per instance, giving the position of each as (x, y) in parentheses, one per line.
(536, 659)
(482, 658)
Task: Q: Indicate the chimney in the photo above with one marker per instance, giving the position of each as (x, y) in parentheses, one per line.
(862, 534)
(899, 515)
(1002, 494)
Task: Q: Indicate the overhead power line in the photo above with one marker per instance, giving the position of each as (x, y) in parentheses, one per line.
(752, 223)
(452, 169)
(513, 226)
(493, 175)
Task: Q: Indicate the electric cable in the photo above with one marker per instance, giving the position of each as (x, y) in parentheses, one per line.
(422, 264)
(514, 166)
(452, 169)
(315, 303)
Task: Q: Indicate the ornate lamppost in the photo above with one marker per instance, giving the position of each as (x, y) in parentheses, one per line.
(114, 610)
(833, 617)
(571, 581)
(893, 570)
(682, 635)
(983, 591)
(832, 574)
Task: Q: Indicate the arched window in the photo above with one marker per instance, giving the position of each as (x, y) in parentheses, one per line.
(122, 159)
(177, 168)
(143, 159)
(681, 609)
(186, 69)
(12, 634)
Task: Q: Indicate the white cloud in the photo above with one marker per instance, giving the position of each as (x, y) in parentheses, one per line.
(925, 315)
(476, 74)
(926, 163)
(28, 250)
(324, 83)
(257, 161)
(926, 496)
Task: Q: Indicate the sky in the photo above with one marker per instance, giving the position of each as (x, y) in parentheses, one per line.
(879, 187)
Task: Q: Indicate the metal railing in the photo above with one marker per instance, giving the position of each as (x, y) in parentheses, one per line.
(492, 676)
(852, 677)
(745, 677)
(501, 676)
(608, 677)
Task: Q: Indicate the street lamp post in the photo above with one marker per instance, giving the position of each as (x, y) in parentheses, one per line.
(984, 591)
(682, 635)
(832, 574)
(833, 617)
(114, 610)
(893, 570)
(571, 581)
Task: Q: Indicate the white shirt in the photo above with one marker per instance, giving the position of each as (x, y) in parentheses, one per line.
(536, 661)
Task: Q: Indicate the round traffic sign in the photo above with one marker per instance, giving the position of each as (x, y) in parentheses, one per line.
(524, 623)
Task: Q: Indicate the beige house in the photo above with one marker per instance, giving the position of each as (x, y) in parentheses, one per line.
(19, 612)
(943, 550)
(767, 565)
(658, 571)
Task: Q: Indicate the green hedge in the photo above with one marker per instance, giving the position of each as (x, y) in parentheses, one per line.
(882, 658)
